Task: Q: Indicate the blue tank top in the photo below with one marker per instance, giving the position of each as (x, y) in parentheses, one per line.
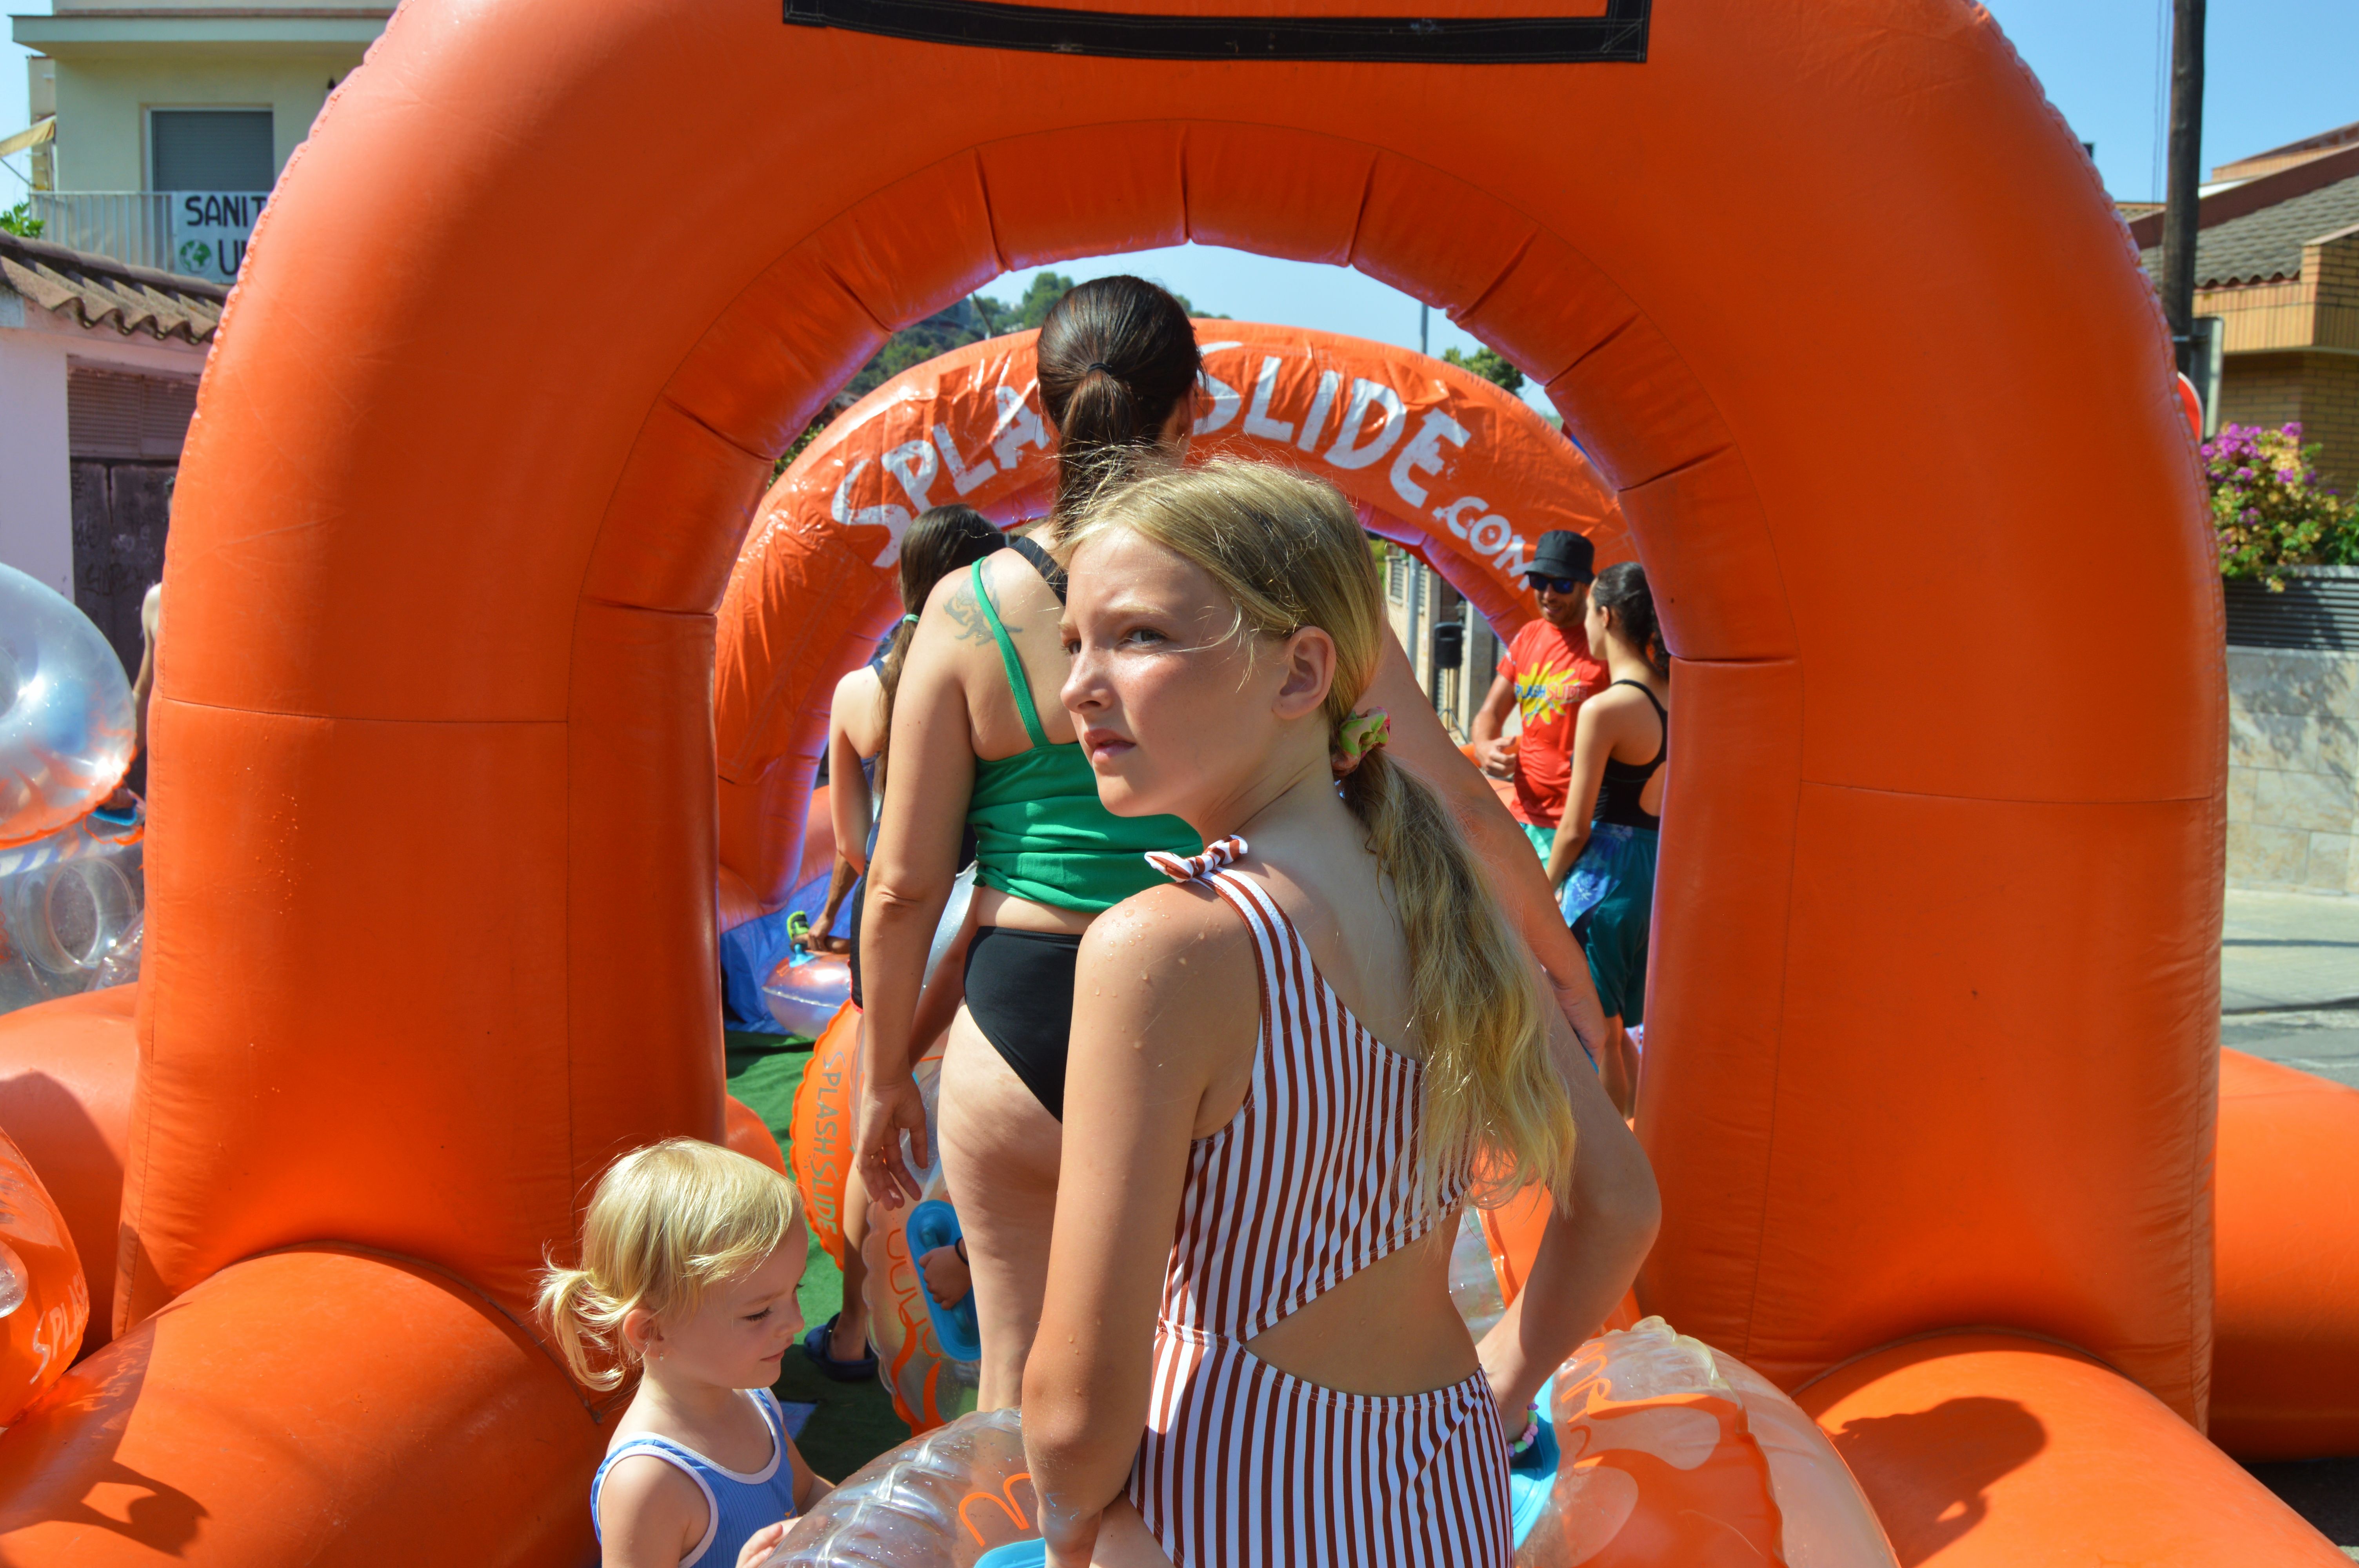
(737, 1505)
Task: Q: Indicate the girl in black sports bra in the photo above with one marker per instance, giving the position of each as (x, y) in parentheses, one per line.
(1603, 858)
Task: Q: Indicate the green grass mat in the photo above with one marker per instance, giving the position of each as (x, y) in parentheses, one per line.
(855, 1422)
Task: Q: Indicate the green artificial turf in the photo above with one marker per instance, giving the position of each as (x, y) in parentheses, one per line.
(855, 1422)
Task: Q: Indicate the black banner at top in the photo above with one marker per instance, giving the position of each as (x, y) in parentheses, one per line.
(1619, 36)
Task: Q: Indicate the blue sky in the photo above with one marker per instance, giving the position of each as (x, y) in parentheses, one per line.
(2277, 70)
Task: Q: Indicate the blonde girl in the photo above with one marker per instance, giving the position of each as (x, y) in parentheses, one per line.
(690, 1254)
(978, 721)
(1292, 1062)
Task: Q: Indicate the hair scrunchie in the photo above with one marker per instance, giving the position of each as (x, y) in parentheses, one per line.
(909, 620)
(1357, 736)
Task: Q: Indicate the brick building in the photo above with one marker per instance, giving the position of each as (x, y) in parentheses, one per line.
(2277, 260)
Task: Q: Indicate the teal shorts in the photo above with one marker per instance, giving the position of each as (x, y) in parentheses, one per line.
(1609, 901)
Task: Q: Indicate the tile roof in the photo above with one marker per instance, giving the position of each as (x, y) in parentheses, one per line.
(2267, 244)
(97, 290)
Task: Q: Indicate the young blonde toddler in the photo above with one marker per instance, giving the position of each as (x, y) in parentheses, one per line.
(690, 1254)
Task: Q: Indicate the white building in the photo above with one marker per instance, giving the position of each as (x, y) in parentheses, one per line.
(142, 106)
(99, 363)
(1417, 599)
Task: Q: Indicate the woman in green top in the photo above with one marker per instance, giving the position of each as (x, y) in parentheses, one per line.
(980, 737)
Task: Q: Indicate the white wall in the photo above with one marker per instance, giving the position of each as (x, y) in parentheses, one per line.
(36, 494)
(102, 105)
(36, 472)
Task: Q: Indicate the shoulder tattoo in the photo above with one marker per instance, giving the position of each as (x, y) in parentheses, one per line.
(966, 613)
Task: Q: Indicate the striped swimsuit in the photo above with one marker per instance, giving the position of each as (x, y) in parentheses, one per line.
(1313, 1181)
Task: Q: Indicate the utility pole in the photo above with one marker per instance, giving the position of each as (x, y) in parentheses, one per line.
(1424, 322)
(2184, 178)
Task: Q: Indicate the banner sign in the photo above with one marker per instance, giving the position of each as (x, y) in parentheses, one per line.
(1431, 455)
(209, 231)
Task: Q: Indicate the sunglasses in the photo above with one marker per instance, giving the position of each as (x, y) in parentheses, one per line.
(1553, 584)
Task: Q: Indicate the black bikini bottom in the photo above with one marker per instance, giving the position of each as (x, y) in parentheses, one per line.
(1019, 991)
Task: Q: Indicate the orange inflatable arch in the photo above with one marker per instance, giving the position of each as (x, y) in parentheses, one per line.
(1438, 459)
(1828, 292)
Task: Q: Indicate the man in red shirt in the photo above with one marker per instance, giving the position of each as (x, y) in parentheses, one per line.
(1547, 673)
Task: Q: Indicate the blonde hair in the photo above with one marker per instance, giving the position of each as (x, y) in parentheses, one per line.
(1288, 552)
(666, 1224)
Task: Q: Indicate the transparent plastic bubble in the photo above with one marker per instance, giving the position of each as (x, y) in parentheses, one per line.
(805, 990)
(66, 725)
(937, 1501)
(69, 925)
(1474, 1280)
(13, 1279)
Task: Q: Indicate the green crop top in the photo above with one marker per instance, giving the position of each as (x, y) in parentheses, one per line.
(1039, 831)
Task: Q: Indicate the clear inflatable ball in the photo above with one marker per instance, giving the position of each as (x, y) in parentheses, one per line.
(67, 733)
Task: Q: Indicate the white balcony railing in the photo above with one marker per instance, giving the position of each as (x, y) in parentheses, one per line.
(132, 226)
(202, 233)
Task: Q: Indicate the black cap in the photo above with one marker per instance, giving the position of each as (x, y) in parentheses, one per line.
(1563, 553)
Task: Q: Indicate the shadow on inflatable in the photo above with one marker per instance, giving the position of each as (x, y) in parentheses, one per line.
(1933, 1080)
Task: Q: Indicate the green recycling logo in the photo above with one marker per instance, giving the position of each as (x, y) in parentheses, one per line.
(194, 255)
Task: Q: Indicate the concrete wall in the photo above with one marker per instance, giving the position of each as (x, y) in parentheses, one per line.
(102, 102)
(2293, 770)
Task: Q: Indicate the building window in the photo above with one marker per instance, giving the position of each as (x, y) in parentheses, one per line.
(210, 149)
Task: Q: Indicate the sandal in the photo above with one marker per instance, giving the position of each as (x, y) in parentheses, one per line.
(815, 1346)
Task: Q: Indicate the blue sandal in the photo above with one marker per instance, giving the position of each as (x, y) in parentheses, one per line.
(815, 1343)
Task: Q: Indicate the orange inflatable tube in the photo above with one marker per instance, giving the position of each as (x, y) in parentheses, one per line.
(1447, 464)
(824, 1115)
(2285, 1358)
(44, 1300)
(444, 606)
(1998, 1450)
(65, 1100)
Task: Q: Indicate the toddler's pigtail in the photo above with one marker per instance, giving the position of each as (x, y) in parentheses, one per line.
(583, 1322)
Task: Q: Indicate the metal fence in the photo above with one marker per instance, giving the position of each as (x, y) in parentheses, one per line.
(132, 226)
(2317, 609)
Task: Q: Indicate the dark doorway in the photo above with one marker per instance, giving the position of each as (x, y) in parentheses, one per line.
(124, 434)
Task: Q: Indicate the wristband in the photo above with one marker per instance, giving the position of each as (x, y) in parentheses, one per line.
(959, 1246)
(1531, 1433)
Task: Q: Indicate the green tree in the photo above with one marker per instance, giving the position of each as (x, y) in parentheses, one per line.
(1045, 289)
(20, 220)
(1490, 364)
(1027, 313)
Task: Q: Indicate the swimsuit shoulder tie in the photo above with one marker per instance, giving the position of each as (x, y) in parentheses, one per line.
(1192, 867)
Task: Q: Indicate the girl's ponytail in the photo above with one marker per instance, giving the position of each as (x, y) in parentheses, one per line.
(1622, 589)
(1490, 1088)
(1117, 356)
(584, 1322)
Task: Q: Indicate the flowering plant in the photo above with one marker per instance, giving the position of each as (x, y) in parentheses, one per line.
(2268, 508)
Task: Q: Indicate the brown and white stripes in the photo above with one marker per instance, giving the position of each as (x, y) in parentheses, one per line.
(1314, 1180)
